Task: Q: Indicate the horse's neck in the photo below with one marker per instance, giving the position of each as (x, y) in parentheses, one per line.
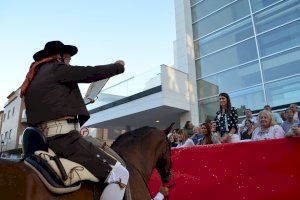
(142, 161)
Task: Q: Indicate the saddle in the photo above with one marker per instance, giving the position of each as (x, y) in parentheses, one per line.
(59, 175)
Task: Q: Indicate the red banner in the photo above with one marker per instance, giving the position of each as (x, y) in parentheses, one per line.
(267, 169)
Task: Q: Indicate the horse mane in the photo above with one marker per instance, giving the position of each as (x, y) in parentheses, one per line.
(134, 134)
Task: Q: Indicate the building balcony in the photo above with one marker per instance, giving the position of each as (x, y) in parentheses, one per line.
(154, 98)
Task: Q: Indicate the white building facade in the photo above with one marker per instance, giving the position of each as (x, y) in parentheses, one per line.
(249, 49)
(12, 127)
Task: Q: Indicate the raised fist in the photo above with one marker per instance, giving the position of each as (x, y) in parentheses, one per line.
(121, 62)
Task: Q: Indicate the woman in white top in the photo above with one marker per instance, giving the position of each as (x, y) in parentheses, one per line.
(267, 127)
(184, 140)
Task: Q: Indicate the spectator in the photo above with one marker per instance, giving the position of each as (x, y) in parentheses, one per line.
(184, 140)
(226, 118)
(276, 116)
(197, 136)
(215, 136)
(188, 128)
(205, 129)
(267, 128)
(174, 138)
(287, 125)
(246, 134)
(249, 116)
(283, 116)
(293, 107)
(296, 130)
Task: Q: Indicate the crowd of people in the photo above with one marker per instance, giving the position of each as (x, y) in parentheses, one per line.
(225, 128)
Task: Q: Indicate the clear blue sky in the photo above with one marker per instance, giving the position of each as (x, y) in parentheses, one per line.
(139, 32)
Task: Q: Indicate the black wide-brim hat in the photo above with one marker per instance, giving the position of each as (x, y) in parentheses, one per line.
(54, 47)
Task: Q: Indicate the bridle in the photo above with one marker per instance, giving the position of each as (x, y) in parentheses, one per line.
(168, 174)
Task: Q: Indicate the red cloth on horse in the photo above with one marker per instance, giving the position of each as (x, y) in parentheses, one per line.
(267, 169)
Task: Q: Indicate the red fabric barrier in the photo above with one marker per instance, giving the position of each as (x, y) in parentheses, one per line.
(267, 169)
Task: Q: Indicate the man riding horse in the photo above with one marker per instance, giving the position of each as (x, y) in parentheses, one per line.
(54, 105)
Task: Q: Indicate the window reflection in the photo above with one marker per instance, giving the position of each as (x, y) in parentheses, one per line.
(279, 14)
(194, 2)
(208, 108)
(230, 57)
(206, 7)
(225, 37)
(259, 4)
(280, 39)
(281, 65)
(231, 80)
(252, 98)
(283, 92)
(228, 15)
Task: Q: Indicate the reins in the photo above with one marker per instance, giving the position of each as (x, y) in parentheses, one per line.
(142, 177)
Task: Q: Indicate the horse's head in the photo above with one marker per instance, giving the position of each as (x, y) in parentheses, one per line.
(144, 149)
(164, 163)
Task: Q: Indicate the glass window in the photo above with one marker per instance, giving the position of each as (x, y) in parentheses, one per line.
(207, 89)
(280, 39)
(252, 98)
(279, 14)
(281, 65)
(208, 108)
(231, 80)
(206, 7)
(259, 4)
(230, 57)
(225, 37)
(283, 92)
(229, 14)
(194, 2)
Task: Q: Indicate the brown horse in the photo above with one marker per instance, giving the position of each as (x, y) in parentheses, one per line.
(143, 150)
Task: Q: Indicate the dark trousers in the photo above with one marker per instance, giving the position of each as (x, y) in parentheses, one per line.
(73, 147)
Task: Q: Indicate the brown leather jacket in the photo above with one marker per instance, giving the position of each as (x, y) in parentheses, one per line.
(54, 92)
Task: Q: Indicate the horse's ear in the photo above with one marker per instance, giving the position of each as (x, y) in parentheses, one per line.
(169, 129)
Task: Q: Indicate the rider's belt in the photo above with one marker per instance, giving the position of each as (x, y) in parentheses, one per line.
(59, 126)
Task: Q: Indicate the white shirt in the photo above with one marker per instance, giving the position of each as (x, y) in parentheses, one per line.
(159, 196)
(273, 132)
(296, 117)
(188, 143)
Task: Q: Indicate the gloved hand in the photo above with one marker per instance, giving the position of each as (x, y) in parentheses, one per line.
(164, 191)
(120, 64)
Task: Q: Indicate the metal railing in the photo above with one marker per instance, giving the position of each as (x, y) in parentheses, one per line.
(128, 87)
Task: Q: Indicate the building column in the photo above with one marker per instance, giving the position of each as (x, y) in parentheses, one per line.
(184, 58)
